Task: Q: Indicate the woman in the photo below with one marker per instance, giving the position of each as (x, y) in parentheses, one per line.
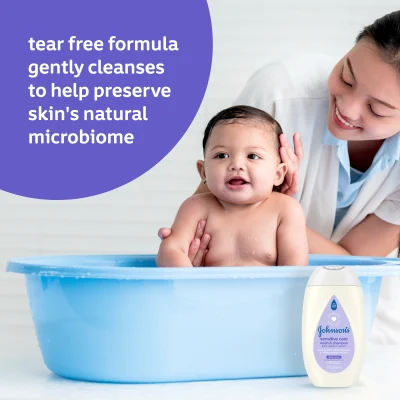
(349, 119)
(350, 177)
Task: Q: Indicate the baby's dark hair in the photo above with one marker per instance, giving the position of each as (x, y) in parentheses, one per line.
(238, 114)
(385, 33)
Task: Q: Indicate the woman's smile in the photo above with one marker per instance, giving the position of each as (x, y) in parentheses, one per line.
(341, 121)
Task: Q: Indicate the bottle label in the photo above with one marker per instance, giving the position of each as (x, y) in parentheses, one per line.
(333, 340)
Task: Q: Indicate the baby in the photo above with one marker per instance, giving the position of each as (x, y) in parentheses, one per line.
(249, 221)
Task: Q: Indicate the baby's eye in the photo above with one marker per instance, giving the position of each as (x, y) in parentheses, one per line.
(222, 155)
(253, 156)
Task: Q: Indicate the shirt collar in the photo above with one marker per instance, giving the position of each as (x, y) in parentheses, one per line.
(392, 146)
(342, 151)
(389, 151)
(329, 139)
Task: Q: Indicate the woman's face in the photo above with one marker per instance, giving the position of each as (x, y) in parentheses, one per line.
(364, 99)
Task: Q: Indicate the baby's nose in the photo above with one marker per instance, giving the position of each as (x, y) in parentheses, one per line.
(237, 165)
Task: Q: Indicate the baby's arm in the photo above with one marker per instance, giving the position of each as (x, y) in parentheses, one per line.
(174, 249)
(292, 234)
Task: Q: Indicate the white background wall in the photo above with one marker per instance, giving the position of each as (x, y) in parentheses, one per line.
(247, 33)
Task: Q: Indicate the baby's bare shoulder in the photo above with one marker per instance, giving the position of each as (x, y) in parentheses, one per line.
(199, 200)
(204, 198)
(285, 204)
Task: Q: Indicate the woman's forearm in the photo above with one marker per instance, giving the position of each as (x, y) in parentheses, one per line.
(318, 244)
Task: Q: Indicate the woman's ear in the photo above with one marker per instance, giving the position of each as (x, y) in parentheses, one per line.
(200, 169)
(281, 170)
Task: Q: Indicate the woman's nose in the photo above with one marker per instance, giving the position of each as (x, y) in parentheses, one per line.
(350, 108)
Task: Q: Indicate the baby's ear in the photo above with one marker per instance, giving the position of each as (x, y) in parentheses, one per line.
(281, 170)
(200, 169)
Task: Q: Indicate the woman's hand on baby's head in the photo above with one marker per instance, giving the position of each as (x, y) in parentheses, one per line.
(293, 160)
(198, 247)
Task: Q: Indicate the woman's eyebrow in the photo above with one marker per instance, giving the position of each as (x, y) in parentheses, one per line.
(354, 77)
(350, 68)
(385, 104)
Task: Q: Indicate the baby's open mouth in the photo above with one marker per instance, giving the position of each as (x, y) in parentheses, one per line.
(237, 181)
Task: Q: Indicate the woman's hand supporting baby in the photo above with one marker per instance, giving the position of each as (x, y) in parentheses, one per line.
(198, 246)
(177, 248)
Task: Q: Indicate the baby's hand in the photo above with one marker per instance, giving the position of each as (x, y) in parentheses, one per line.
(198, 247)
(293, 160)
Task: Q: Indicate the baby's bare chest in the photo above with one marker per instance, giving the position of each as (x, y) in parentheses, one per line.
(243, 239)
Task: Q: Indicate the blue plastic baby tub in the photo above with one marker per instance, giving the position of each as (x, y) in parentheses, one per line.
(118, 319)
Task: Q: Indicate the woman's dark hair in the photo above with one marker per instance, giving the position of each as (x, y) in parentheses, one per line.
(237, 114)
(385, 33)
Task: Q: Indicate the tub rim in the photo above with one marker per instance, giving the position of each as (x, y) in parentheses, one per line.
(50, 266)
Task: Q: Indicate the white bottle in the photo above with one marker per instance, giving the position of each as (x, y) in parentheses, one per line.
(333, 328)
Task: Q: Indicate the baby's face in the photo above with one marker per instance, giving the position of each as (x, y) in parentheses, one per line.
(241, 163)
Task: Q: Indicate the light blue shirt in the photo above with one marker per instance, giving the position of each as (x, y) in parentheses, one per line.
(351, 180)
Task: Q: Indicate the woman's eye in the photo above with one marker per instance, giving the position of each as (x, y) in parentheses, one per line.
(221, 155)
(253, 156)
(342, 79)
(374, 113)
